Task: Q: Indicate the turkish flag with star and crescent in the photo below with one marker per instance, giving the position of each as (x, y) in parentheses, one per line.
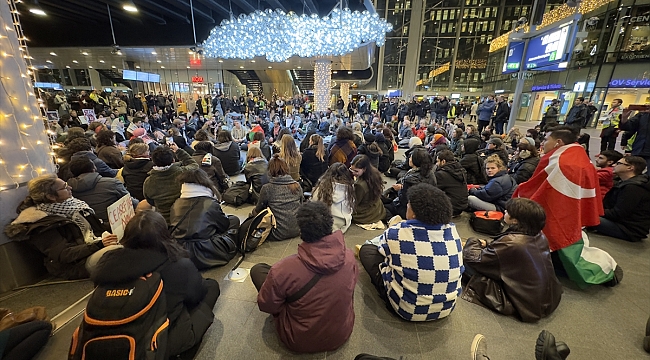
(565, 184)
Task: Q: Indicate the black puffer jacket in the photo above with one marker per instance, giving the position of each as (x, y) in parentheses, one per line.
(230, 156)
(183, 288)
(311, 167)
(134, 173)
(412, 177)
(452, 179)
(497, 191)
(523, 170)
(628, 205)
(56, 237)
(98, 192)
(472, 163)
(203, 231)
(256, 173)
(387, 153)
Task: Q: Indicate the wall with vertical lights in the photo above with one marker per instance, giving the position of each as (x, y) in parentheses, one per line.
(322, 84)
(25, 149)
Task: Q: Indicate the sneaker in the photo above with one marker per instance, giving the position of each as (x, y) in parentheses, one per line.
(479, 348)
(357, 248)
(547, 349)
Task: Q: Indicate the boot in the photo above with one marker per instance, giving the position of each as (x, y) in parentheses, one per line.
(547, 349)
(4, 312)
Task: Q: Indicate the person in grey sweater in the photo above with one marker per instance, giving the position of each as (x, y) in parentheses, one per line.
(283, 196)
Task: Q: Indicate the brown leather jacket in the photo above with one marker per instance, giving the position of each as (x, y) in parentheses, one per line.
(514, 276)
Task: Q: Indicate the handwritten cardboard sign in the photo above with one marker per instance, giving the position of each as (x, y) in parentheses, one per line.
(119, 214)
(90, 115)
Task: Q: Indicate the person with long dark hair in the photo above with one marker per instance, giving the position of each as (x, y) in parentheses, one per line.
(282, 195)
(107, 149)
(199, 223)
(336, 189)
(517, 264)
(149, 247)
(343, 150)
(290, 154)
(228, 152)
(421, 171)
(314, 159)
(256, 171)
(368, 186)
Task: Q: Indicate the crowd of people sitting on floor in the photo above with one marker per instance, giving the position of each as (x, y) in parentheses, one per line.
(317, 175)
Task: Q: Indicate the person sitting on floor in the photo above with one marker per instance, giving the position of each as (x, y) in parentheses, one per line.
(517, 264)
(605, 163)
(60, 227)
(310, 294)
(228, 152)
(314, 159)
(472, 163)
(137, 165)
(498, 190)
(160, 189)
(368, 186)
(452, 179)
(524, 162)
(416, 265)
(149, 247)
(343, 149)
(336, 189)
(627, 204)
(256, 171)
(203, 155)
(283, 196)
(97, 191)
(199, 224)
(421, 172)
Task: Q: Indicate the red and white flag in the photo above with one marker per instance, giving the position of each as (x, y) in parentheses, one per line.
(565, 184)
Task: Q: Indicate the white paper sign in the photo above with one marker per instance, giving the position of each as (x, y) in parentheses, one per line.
(119, 214)
(90, 115)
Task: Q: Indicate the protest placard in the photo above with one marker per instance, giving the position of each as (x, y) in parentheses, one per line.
(90, 115)
(119, 214)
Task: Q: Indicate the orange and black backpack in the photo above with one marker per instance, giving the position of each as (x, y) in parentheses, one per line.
(125, 321)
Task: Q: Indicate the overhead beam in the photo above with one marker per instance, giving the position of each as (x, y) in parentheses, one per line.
(164, 11)
(275, 4)
(214, 5)
(65, 13)
(245, 5)
(102, 11)
(73, 10)
(312, 8)
(158, 19)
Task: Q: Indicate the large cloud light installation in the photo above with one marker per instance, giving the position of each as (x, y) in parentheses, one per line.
(278, 36)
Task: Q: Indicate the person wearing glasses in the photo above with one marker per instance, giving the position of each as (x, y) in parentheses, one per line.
(64, 229)
(627, 204)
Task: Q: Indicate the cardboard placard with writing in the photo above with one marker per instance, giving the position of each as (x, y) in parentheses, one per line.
(119, 214)
(90, 115)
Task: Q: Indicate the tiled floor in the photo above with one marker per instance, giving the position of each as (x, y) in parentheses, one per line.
(597, 323)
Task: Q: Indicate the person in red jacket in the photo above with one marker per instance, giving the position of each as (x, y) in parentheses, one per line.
(310, 294)
(605, 170)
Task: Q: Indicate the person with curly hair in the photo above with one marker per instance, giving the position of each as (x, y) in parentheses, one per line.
(336, 189)
(416, 265)
(310, 294)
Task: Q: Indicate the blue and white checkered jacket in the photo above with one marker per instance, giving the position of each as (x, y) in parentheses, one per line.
(422, 269)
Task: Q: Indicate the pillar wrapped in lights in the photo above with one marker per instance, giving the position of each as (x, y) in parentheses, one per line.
(25, 150)
(322, 84)
(345, 94)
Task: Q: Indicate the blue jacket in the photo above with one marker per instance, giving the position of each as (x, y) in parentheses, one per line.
(498, 190)
(486, 109)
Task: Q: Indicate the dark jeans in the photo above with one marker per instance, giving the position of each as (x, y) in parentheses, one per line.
(482, 124)
(608, 142)
(259, 272)
(609, 228)
(498, 125)
(370, 258)
(25, 341)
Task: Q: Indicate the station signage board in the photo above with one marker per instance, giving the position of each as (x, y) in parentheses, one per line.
(197, 79)
(630, 83)
(547, 87)
(549, 48)
(514, 57)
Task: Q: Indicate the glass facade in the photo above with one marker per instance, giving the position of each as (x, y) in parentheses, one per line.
(398, 13)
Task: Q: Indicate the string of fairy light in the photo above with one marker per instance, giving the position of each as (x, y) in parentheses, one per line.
(322, 84)
(24, 123)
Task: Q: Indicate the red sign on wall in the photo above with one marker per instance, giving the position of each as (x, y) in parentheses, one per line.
(195, 62)
(197, 79)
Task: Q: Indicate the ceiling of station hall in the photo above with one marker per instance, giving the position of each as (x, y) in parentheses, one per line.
(165, 23)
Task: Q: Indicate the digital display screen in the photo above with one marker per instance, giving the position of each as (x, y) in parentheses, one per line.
(154, 78)
(548, 49)
(514, 56)
(142, 76)
(129, 75)
(455, 96)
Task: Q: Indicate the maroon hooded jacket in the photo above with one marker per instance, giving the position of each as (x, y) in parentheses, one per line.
(323, 318)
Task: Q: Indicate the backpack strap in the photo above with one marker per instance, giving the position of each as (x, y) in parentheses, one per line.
(171, 231)
(304, 290)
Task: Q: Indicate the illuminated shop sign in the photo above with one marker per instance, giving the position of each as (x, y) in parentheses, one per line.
(549, 48)
(630, 83)
(547, 87)
(514, 56)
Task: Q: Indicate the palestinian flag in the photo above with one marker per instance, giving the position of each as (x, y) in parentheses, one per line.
(565, 184)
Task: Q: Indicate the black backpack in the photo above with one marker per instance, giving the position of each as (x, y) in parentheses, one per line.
(237, 194)
(123, 322)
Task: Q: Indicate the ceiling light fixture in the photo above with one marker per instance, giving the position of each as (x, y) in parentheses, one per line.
(75, 61)
(220, 60)
(190, 52)
(67, 66)
(53, 53)
(113, 67)
(137, 66)
(335, 72)
(338, 34)
(158, 61)
(90, 67)
(162, 67)
(102, 61)
(36, 9)
(129, 6)
(154, 53)
(84, 53)
(270, 67)
(349, 72)
(241, 67)
(188, 67)
(252, 61)
(299, 67)
(48, 61)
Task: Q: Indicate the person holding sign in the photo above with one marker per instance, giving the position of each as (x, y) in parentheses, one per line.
(60, 227)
